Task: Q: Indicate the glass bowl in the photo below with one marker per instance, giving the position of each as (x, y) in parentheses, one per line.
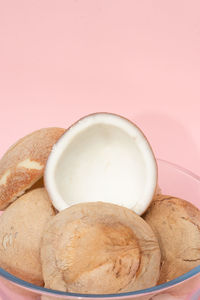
(173, 180)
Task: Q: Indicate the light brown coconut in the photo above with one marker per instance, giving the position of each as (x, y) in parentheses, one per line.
(176, 224)
(21, 228)
(23, 164)
(99, 248)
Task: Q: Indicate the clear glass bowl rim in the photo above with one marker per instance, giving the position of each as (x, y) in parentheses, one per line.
(157, 288)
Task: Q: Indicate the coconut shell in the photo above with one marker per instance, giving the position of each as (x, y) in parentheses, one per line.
(23, 164)
(21, 229)
(99, 248)
(176, 224)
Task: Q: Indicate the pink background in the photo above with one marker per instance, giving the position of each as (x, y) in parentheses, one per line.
(62, 59)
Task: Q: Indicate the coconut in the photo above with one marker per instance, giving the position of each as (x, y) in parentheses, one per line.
(23, 164)
(176, 224)
(103, 157)
(21, 229)
(99, 248)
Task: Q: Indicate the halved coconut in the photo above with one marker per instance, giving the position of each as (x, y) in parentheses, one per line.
(103, 157)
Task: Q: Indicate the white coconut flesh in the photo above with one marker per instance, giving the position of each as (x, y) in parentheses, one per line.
(103, 157)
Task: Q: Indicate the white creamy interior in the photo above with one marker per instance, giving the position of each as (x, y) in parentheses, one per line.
(102, 162)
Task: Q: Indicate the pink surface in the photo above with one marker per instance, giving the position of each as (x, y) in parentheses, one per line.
(60, 60)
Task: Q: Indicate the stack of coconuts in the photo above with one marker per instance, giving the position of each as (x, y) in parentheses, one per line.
(98, 222)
